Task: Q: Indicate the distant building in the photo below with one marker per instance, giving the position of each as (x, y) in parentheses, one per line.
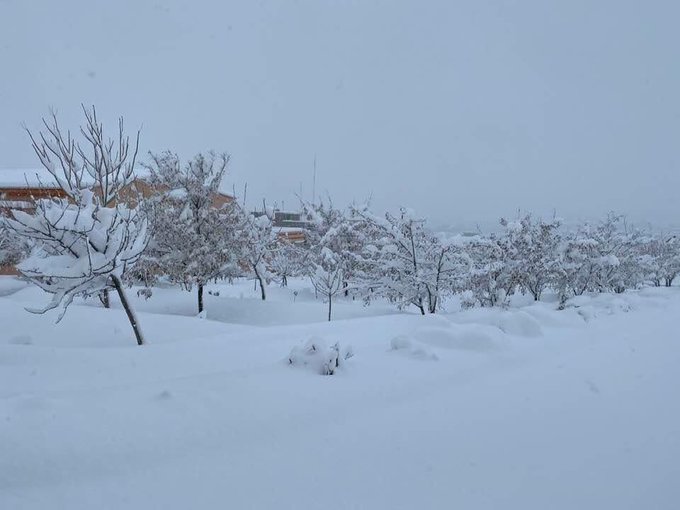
(290, 226)
(19, 190)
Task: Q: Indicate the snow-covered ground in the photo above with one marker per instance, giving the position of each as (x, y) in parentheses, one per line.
(529, 408)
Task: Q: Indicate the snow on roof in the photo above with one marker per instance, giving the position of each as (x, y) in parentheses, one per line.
(26, 177)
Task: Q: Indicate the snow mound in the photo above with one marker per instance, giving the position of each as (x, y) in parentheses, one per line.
(510, 322)
(591, 307)
(549, 316)
(316, 356)
(403, 344)
(519, 323)
(461, 337)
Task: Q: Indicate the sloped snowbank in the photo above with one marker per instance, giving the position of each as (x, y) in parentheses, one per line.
(521, 409)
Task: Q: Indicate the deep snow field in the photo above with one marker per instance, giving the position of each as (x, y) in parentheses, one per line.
(529, 408)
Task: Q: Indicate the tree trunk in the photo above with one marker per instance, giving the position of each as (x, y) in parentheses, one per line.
(262, 289)
(126, 306)
(200, 297)
(104, 298)
(432, 304)
(330, 306)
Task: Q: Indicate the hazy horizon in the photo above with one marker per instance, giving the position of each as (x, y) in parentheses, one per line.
(463, 111)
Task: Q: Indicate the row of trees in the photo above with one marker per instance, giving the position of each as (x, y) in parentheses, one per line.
(102, 236)
(396, 257)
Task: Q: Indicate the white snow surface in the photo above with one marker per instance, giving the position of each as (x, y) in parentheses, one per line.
(528, 408)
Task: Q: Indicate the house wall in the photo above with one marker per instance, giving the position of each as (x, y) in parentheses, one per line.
(24, 197)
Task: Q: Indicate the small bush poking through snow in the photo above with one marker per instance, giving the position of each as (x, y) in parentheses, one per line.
(315, 355)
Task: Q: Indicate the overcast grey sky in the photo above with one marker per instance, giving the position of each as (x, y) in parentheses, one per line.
(463, 110)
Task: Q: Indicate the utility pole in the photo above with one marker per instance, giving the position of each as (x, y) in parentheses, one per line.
(314, 182)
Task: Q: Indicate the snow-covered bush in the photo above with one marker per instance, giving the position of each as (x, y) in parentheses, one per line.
(315, 355)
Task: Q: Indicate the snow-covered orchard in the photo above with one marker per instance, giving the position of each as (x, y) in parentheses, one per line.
(376, 364)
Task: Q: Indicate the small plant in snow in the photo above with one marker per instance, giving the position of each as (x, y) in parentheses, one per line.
(315, 355)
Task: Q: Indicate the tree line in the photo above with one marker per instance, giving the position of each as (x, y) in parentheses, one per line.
(100, 238)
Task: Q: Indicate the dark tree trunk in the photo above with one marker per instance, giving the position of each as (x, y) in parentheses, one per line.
(104, 298)
(200, 297)
(330, 306)
(126, 306)
(263, 292)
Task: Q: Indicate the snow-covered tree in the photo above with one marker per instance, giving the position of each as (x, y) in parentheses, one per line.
(532, 252)
(193, 239)
(600, 258)
(405, 263)
(256, 244)
(327, 276)
(491, 280)
(288, 260)
(659, 258)
(329, 244)
(83, 244)
(670, 258)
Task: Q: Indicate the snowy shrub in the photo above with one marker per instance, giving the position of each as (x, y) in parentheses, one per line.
(145, 293)
(316, 356)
